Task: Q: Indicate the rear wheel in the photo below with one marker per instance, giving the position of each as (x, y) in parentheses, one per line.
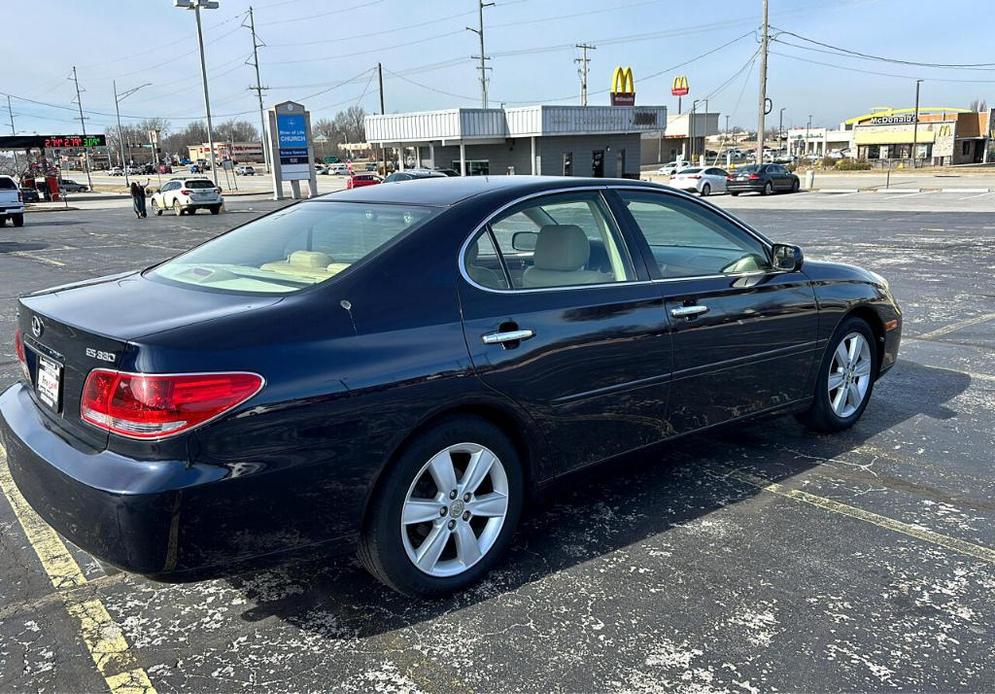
(3, 220)
(177, 210)
(446, 509)
(17, 219)
(734, 193)
(846, 378)
(705, 190)
(216, 209)
(768, 189)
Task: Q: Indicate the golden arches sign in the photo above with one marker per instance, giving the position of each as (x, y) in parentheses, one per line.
(680, 86)
(623, 92)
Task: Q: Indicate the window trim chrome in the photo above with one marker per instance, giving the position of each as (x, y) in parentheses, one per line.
(601, 192)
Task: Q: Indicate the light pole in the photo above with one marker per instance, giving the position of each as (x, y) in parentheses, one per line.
(118, 98)
(197, 6)
(915, 126)
(808, 127)
(694, 107)
(780, 129)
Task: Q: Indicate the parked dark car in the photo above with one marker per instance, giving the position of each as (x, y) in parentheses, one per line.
(29, 194)
(413, 175)
(403, 368)
(765, 179)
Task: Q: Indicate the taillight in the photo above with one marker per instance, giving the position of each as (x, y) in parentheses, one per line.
(154, 406)
(20, 196)
(694, 176)
(22, 357)
(184, 191)
(754, 177)
(218, 191)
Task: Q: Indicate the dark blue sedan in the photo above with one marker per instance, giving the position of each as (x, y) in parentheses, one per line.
(402, 368)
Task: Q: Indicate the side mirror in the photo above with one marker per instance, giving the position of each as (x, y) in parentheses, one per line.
(524, 240)
(787, 258)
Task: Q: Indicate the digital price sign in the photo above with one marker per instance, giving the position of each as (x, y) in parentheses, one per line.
(57, 141)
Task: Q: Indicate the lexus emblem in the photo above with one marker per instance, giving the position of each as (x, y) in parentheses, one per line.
(36, 326)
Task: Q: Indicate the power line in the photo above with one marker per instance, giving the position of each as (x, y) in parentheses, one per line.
(878, 73)
(871, 56)
(321, 14)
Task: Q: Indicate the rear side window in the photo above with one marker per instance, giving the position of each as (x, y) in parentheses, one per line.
(557, 241)
(7, 183)
(292, 249)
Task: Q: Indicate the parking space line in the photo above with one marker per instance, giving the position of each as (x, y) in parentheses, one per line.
(37, 258)
(918, 532)
(979, 195)
(101, 635)
(958, 325)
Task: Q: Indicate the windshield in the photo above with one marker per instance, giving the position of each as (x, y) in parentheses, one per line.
(292, 249)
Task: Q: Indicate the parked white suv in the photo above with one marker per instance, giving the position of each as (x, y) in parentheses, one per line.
(187, 195)
(11, 202)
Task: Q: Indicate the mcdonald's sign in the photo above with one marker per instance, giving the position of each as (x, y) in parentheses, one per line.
(623, 91)
(680, 86)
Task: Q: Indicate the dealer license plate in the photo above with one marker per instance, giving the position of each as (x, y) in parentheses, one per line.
(49, 376)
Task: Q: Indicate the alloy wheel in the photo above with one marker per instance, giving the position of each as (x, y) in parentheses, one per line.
(454, 509)
(849, 375)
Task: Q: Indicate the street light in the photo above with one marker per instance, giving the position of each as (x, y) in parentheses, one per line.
(808, 127)
(118, 98)
(915, 127)
(780, 129)
(197, 6)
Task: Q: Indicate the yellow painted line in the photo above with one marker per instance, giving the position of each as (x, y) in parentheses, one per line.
(953, 327)
(101, 635)
(962, 546)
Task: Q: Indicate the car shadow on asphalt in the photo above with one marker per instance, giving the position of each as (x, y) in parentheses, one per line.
(597, 512)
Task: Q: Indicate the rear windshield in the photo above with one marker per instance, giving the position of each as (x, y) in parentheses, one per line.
(7, 183)
(198, 183)
(752, 168)
(684, 171)
(292, 249)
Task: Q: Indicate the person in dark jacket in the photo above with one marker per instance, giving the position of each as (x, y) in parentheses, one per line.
(138, 198)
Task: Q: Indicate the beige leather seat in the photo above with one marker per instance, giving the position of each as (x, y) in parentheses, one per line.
(560, 259)
(307, 264)
(484, 276)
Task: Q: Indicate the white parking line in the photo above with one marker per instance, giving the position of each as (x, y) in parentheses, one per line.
(979, 195)
(958, 325)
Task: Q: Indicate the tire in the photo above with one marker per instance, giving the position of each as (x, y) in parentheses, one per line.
(216, 209)
(822, 415)
(17, 219)
(734, 194)
(768, 189)
(177, 210)
(795, 186)
(156, 210)
(705, 190)
(389, 553)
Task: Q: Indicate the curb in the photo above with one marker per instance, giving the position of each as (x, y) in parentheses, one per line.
(965, 190)
(50, 209)
(835, 191)
(898, 191)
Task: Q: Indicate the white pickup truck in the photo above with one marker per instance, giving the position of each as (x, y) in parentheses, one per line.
(11, 203)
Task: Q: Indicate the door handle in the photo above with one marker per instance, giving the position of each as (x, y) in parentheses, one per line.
(507, 336)
(688, 311)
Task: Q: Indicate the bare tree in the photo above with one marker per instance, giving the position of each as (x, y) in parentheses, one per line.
(979, 105)
(236, 131)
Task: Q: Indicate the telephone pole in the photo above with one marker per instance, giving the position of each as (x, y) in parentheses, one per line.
(482, 57)
(915, 127)
(82, 125)
(10, 110)
(383, 150)
(259, 88)
(582, 71)
(762, 109)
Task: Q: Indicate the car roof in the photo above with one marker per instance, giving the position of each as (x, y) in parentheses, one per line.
(445, 191)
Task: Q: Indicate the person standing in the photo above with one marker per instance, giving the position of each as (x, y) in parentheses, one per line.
(138, 198)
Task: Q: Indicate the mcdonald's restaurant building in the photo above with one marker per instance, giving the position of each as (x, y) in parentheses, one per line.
(599, 141)
(941, 136)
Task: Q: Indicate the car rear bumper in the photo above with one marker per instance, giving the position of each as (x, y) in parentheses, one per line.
(737, 187)
(125, 512)
(12, 209)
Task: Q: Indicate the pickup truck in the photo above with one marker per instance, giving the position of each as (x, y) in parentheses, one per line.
(11, 202)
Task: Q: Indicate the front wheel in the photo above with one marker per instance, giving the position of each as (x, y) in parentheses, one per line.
(446, 510)
(156, 210)
(794, 186)
(845, 380)
(734, 193)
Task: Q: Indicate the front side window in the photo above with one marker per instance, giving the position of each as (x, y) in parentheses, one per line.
(292, 249)
(688, 240)
(557, 241)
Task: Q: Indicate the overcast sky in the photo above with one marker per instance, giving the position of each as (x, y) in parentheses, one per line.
(323, 52)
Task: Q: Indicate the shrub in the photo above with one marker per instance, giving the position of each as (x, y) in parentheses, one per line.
(853, 165)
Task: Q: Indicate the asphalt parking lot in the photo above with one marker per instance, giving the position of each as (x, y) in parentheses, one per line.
(756, 558)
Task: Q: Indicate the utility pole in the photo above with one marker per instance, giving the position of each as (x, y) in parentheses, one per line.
(12, 131)
(482, 57)
(383, 150)
(915, 126)
(808, 128)
(259, 88)
(118, 98)
(762, 108)
(584, 47)
(82, 125)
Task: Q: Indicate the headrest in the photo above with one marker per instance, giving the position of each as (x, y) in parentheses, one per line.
(315, 260)
(562, 247)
